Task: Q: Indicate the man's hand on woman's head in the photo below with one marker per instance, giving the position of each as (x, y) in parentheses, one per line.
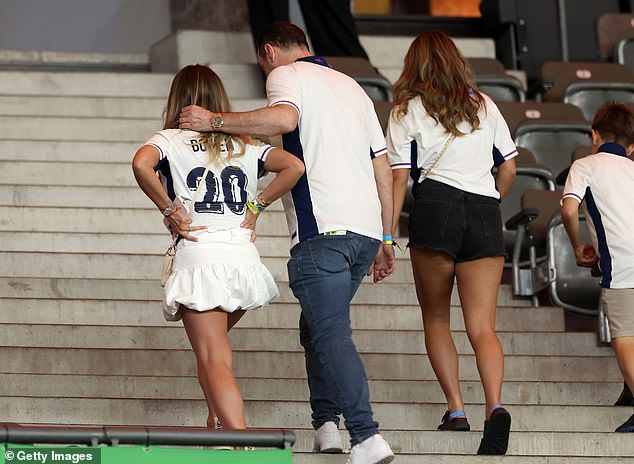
(195, 118)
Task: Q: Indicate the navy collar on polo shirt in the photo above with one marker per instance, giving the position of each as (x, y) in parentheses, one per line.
(314, 59)
(613, 148)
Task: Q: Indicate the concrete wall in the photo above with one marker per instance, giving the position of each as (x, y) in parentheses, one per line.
(117, 26)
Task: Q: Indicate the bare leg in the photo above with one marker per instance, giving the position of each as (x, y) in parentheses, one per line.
(207, 332)
(478, 283)
(624, 349)
(434, 278)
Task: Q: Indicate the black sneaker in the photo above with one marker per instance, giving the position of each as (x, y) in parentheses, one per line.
(456, 424)
(495, 439)
(625, 398)
(627, 427)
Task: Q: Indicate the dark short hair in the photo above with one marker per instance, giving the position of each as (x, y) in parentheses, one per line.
(281, 34)
(615, 123)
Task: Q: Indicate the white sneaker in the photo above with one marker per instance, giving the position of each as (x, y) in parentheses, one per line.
(374, 450)
(328, 439)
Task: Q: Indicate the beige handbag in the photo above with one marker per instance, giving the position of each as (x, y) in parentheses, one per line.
(168, 261)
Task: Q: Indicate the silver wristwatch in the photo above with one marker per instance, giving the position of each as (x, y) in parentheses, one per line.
(169, 210)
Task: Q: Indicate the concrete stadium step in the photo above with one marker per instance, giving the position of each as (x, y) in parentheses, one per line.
(56, 84)
(430, 446)
(136, 266)
(131, 243)
(65, 61)
(78, 106)
(80, 186)
(287, 340)
(148, 290)
(296, 415)
(69, 174)
(279, 364)
(125, 85)
(12, 148)
(423, 457)
(108, 220)
(79, 128)
(75, 196)
(99, 106)
(276, 316)
(381, 391)
(82, 128)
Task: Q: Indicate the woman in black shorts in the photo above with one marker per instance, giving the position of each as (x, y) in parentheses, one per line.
(450, 136)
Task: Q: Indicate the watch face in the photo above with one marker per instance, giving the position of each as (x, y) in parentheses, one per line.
(217, 122)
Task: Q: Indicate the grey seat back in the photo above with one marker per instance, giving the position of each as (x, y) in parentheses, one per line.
(572, 287)
(530, 175)
(491, 78)
(550, 131)
(377, 86)
(588, 85)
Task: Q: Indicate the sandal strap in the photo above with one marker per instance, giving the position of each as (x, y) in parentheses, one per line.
(494, 407)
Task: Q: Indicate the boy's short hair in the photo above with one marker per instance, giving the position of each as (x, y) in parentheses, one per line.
(281, 34)
(615, 123)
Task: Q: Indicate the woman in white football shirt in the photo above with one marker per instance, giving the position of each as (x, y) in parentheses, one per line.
(217, 273)
(457, 136)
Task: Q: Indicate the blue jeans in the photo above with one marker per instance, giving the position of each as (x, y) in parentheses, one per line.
(325, 272)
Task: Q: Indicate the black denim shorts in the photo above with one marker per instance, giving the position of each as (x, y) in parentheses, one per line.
(464, 225)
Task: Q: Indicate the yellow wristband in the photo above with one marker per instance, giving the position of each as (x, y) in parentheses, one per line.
(255, 207)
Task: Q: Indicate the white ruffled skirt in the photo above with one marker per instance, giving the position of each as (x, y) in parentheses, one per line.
(222, 270)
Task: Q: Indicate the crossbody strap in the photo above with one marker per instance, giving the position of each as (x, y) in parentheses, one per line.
(425, 172)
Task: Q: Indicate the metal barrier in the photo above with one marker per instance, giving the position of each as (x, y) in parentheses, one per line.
(115, 435)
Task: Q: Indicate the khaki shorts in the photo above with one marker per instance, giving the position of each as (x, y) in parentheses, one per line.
(618, 304)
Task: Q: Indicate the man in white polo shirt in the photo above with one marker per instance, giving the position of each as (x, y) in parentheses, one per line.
(339, 216)
(605, 180)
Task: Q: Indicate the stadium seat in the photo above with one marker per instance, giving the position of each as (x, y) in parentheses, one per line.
(587, 85)
(492, 79)
(529, 176)
(572, 287)
(625, 52)
(578, 152)
(612, 28)
(377, 86)
(552, 263)
(528, 263)
(550, 131)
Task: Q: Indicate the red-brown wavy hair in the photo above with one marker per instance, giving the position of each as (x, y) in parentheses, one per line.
(435, 71)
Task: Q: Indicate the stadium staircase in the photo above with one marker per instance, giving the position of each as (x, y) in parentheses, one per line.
(83, 341)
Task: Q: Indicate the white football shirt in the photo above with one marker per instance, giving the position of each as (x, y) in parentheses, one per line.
(228, 185)
(337, 136)
(416, 138)
(606, 181)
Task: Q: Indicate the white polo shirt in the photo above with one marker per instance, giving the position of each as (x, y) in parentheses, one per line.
(416, 138)
(337, 136)
(606, 181)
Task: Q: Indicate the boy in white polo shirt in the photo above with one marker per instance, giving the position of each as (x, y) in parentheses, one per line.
(605, 180)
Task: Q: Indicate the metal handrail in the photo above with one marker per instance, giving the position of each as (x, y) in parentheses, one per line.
(117, 435)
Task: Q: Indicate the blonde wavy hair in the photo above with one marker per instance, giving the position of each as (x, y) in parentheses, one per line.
(436, 72)
(199, 85)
